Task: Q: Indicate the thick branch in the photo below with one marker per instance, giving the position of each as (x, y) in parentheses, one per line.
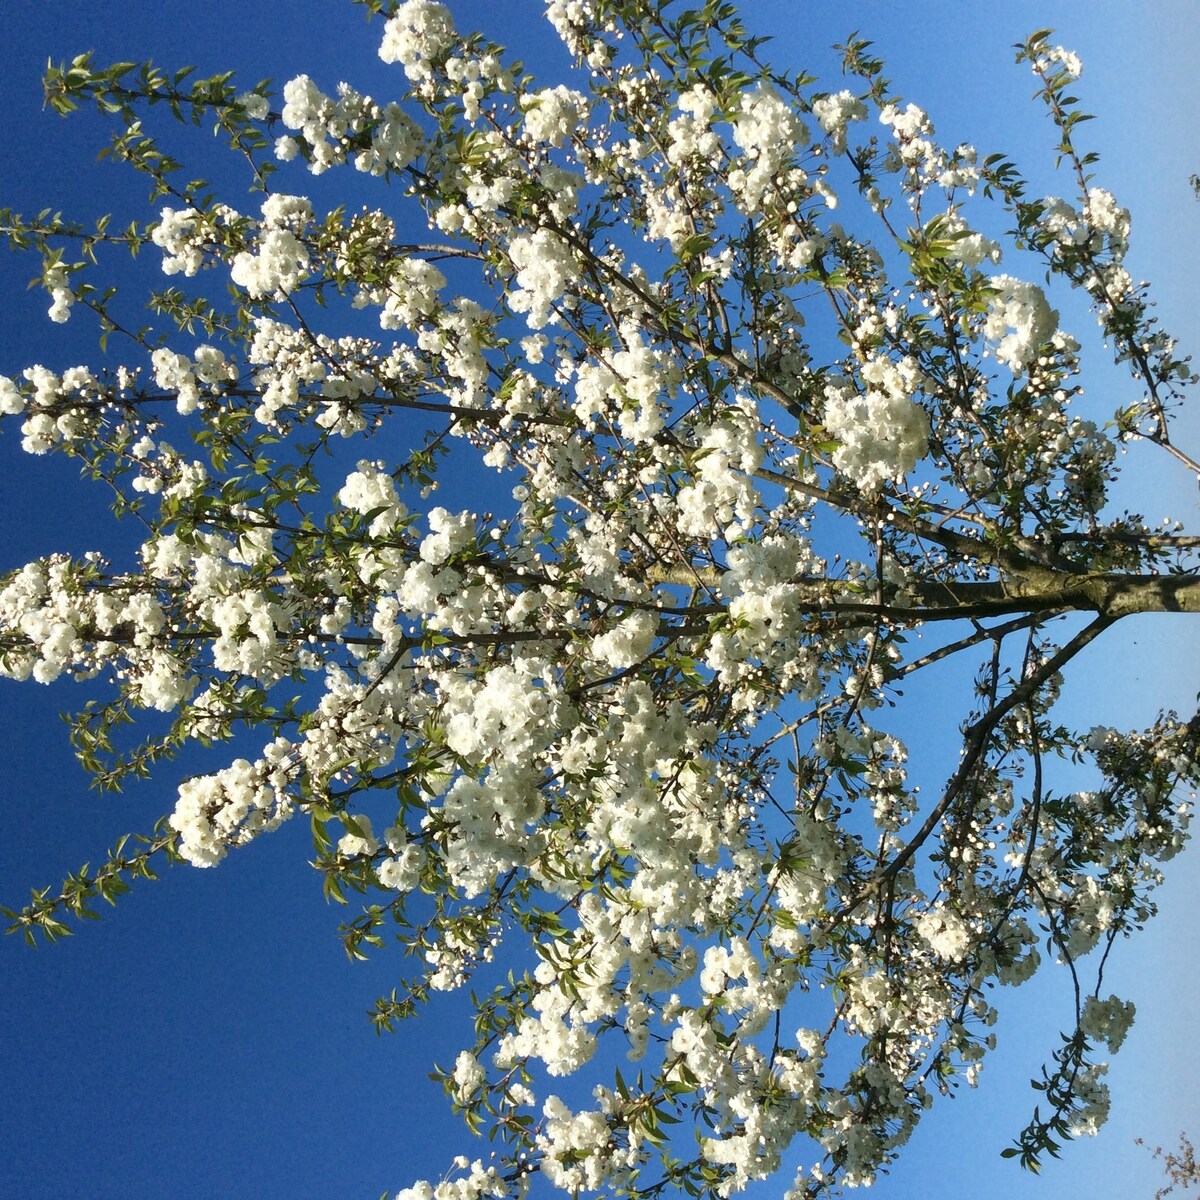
(1034, 589)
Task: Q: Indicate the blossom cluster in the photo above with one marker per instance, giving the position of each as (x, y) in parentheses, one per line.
(883, 432)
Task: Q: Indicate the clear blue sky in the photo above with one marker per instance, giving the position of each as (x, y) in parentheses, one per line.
(208, 1038)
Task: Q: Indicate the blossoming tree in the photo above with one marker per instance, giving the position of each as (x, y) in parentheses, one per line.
(626, 732)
